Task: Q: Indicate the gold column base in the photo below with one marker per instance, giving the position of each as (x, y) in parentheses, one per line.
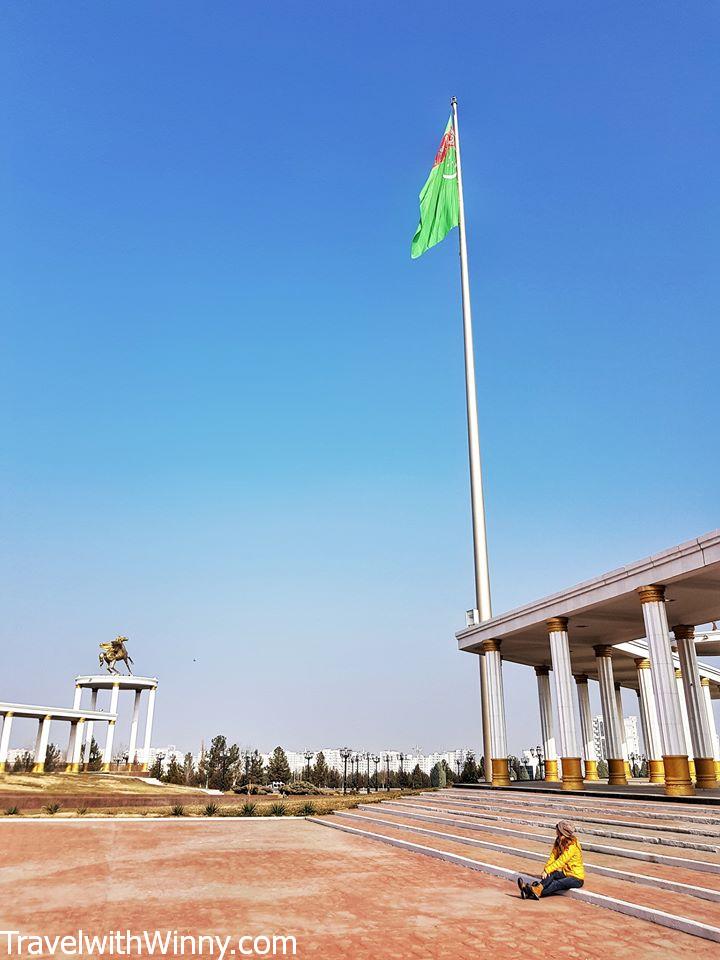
(706, 776)
(500, 772)
(717, 769)
(571, 773)
(38, 768)
(677, 777)
(628, 771)
(551, 771)
(656, 771)
(591, 773)
(691, 764)
(105, 768)
(3, 766)
(144, 767)
(617, 776)
(72, 768)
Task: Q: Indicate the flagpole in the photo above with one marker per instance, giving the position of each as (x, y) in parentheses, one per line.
(480, 552)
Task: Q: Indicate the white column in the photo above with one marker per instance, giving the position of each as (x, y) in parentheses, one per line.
(621, 723)
(71, 744)
(687, 737)
(134, 728)
(5, 740)
(613, 738)
(77, 751)
(700, 732)
(563, 679)
(664, 684)
(148, 727)
(485, 711)
(546, 723)
(41, 743)
(496, 698)
(586, 730)
(667, 699)
(78, 697)
(705, 684)
(89, 726)
(107, 754)
(646, 695)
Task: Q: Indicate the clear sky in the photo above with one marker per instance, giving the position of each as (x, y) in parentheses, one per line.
(232, 406)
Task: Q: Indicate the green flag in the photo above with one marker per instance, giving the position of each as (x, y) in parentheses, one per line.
(438, 198)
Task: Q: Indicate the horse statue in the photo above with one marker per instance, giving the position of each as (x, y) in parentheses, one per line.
(114, 652)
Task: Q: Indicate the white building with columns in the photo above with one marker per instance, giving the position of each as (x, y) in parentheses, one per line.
(589, 634)
(111, 686)
(83, 722)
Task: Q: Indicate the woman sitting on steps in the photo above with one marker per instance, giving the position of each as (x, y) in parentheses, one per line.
(564, 869)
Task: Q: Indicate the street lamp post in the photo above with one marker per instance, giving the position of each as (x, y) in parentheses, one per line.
(356, 772)
(345, 753)
(367, 757)
(387, 771)
(541, 765)
(401, 758)
(376, 761)
(246, 756)
(458, 763)
(308, 756)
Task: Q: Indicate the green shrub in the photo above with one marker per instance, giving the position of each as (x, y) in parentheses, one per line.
(278, 809)
(300, 788)
(211, 810)
(308, 809)
(13, 812)
(51, 809)
(248, 809)
(81, 811)
(177, 810)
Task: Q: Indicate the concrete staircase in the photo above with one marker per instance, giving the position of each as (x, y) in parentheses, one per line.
(656, 861)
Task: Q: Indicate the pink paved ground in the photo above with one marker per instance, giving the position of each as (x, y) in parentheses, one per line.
(340, 896)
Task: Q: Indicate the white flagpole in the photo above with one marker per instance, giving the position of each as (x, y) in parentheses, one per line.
(482, 574)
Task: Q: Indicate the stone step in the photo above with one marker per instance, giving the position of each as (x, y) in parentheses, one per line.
(632, 834)
(702, 862)
(678, 913)
(675, 880)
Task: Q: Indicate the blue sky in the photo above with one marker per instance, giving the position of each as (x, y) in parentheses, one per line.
(233, 406)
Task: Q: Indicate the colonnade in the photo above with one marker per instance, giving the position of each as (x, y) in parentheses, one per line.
(136, 758)
(676, 712)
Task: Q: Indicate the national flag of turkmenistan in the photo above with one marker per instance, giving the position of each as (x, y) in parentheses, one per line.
(438, 198)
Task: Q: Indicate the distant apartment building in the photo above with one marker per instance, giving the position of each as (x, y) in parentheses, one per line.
(632, 739)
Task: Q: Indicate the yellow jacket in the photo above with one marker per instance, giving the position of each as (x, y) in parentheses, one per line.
(569, 861)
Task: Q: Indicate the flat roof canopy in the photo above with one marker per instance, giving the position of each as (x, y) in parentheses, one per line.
(607, 610)
(57, 713)
(106, 681)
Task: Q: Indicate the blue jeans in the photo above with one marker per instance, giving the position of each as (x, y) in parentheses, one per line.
(556, 881)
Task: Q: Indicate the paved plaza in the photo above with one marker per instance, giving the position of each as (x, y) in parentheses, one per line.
(340, 895)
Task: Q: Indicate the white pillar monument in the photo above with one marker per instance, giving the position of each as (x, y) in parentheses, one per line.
(41, 744)
(107, 753)
(651, 728)
(703, 748)
(148, 728)
(623, 732)
(496, 700)
(562, 675)
(547, 731)
(613, 739)
(586, 729)
(705, 684)
(672, 735)
(5, 741)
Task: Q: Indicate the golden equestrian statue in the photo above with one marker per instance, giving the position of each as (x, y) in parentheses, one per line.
(114, 652)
